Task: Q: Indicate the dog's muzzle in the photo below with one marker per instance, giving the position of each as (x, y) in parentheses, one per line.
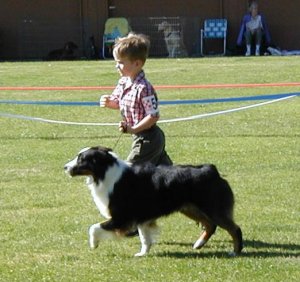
(69, 167)
(68, 170)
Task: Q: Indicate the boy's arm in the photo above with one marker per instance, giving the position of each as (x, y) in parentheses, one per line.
(242, 30)
(106, 102)
(146, 123)
(266, 30)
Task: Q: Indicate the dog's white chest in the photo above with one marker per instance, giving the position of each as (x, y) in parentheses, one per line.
(101, 198)
(100, 192)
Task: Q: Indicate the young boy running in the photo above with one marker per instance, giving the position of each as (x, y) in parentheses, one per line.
(136, 98)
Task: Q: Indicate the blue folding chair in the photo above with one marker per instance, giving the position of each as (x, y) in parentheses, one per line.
(214, 29)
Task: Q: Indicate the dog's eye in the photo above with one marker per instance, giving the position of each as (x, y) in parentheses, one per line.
(80, 158)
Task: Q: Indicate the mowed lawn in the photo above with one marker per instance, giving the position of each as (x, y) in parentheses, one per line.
(44, 215)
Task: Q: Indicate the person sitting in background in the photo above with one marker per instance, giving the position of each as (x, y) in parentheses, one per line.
(253, 27)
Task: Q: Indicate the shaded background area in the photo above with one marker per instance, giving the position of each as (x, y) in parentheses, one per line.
(31, 29)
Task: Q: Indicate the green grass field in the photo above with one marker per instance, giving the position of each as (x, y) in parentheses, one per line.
(45, 215)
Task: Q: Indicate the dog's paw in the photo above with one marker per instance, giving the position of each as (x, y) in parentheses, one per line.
(140, 254)
(93, 243)
(232, 254)
(144, 251)
(94, 235)
(199, 244)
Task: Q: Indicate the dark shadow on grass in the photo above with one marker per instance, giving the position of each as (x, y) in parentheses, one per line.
(252, 248)
(182, 244)
(257, 244)
(194, 255)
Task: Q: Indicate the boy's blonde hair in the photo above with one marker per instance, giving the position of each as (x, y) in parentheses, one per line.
(253, 4)
(133, 46)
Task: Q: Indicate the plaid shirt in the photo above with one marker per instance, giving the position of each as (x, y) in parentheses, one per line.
(136, 99)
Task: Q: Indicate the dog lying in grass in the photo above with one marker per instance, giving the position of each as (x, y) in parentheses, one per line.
(65, 53)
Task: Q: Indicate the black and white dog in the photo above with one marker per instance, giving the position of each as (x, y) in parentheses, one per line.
(134, 196)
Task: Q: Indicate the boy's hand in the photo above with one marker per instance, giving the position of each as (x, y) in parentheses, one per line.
(123, 126)
(104, 100)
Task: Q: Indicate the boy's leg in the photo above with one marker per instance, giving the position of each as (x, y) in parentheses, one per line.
(248, 38)
(165, 159)
(149, 147)
(258, 38)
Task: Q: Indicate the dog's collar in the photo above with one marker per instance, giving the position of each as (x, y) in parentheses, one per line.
(169, 34)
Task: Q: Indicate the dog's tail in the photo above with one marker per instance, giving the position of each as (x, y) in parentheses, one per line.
(217, 181)
(210, 171)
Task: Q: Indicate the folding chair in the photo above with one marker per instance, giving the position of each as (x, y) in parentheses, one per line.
(114, 28)
(214, 29)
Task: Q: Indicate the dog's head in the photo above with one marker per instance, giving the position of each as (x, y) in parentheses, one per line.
(164, 26)
(93, 161)
(70, 46)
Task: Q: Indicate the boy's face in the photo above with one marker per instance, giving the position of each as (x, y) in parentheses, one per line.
(254, 10)
(126, 67)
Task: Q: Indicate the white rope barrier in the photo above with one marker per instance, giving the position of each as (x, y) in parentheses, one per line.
(55, 121)
(226, 111)
(7, 115)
